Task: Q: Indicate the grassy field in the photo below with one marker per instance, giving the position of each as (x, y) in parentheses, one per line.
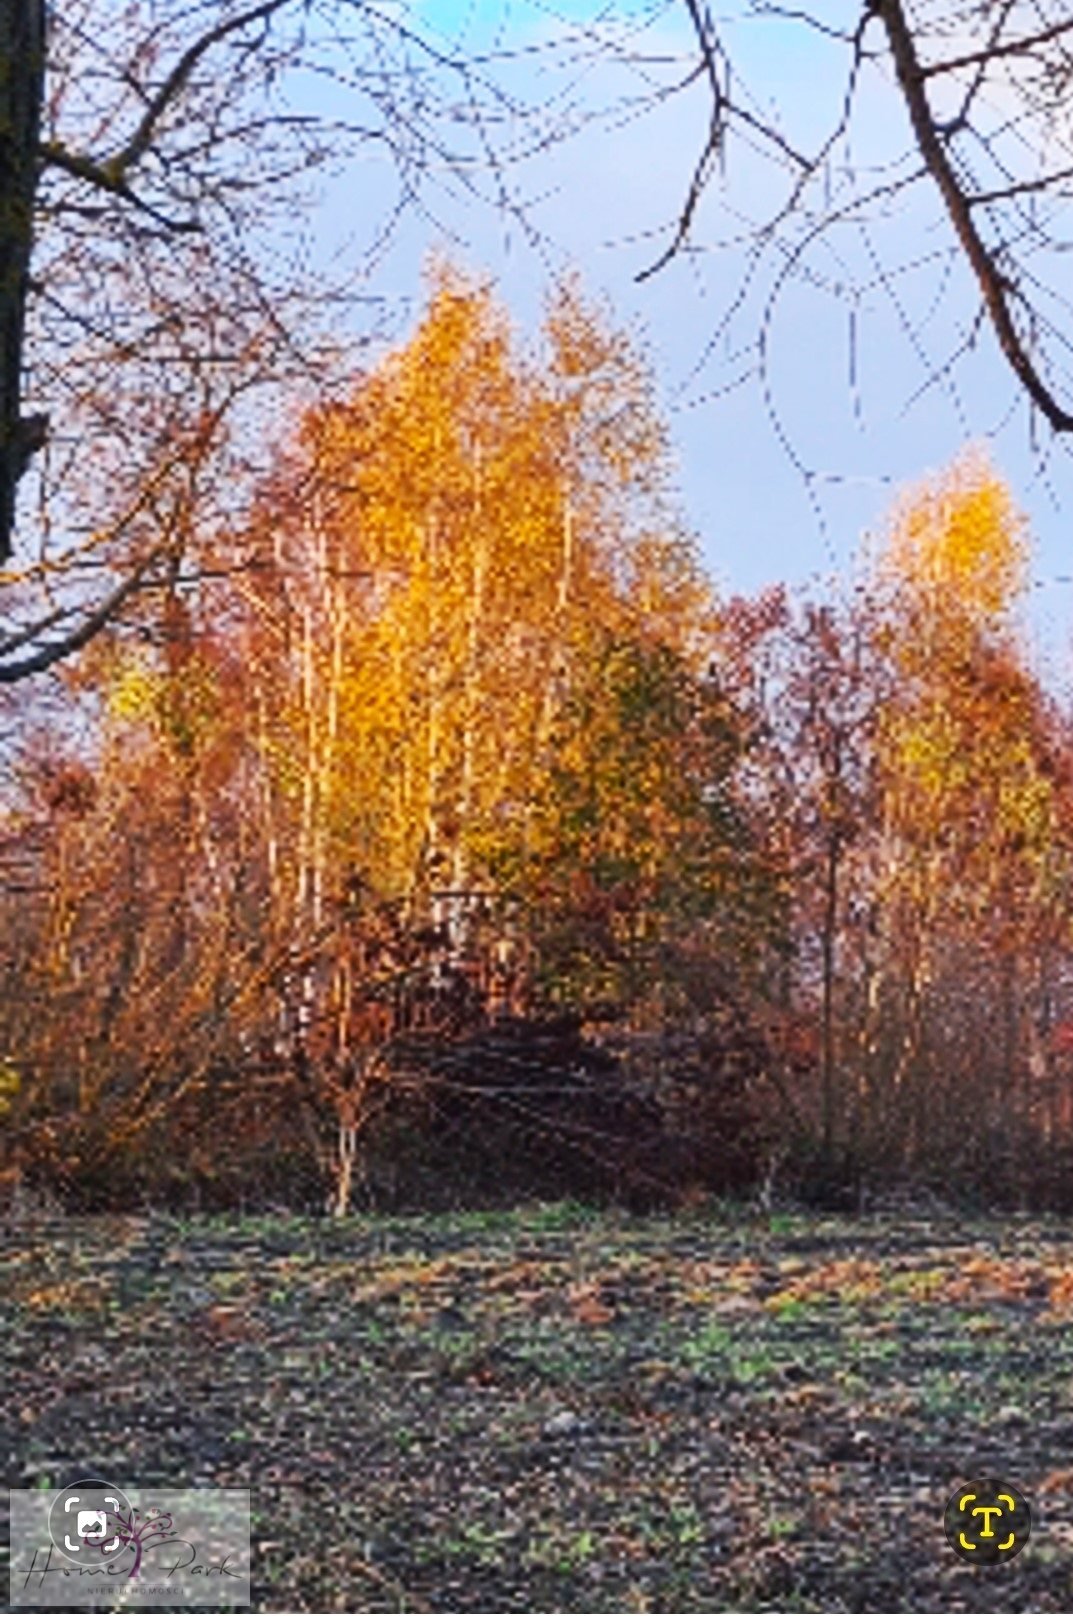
(557, 1410)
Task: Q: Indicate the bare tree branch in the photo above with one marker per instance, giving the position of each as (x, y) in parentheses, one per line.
(981, 199)
(994, 285)
(146, 161)
(57, 650)
(713, 144)
(983, 58)
(106, 177)
(177, 80)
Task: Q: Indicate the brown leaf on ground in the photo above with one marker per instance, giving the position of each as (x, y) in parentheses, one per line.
(587, 1305)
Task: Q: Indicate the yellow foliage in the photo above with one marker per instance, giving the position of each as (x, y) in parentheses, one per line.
(178, 706)
(957, 544)
(134, 690)
(463, 527)
(970, 792)
(10, 1084)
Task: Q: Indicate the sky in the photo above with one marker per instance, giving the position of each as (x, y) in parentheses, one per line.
(847, 353)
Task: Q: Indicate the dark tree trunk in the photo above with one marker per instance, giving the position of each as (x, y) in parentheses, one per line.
(22, 83)
(829, 940)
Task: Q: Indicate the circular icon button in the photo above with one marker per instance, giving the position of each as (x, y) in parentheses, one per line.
(87, 1521)
(987, 1522)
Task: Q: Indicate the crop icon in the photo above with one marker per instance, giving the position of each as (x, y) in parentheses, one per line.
(84, 1518)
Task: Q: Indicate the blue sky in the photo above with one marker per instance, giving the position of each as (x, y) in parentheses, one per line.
(842, 375)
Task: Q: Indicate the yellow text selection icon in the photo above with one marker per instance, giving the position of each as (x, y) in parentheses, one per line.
(987, 1522)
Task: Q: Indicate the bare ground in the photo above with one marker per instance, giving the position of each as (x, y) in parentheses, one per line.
(558, 1410)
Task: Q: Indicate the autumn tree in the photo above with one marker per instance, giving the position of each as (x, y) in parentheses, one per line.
(970, 852)
(809, 684)
(133, 960)
(639, 857)
(430, 559)
(911, 776)
(475, 627)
